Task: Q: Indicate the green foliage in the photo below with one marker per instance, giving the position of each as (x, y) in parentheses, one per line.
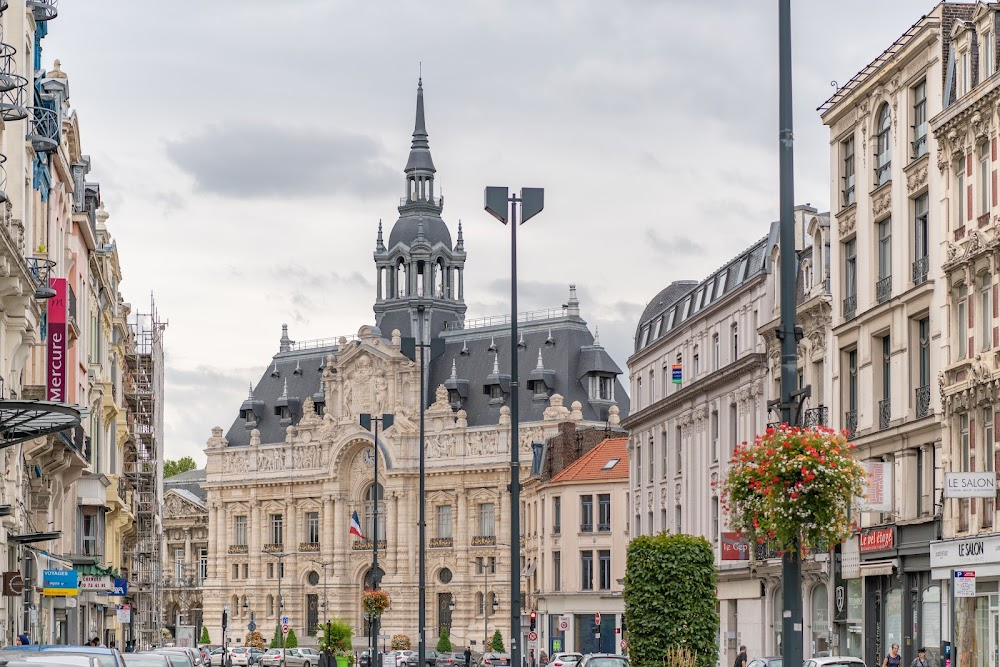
(496, 644)
(399, 643)
(276, 640)
(670, 598)
(171, 468)
(204, 636)
(444, 642)
(255, 639)
(336, 636)
(291, 641)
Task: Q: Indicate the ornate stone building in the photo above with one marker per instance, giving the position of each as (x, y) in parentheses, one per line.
(185, 550)
(888, 233)
(284, 481)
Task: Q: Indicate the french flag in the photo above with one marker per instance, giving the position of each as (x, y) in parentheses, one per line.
(356, 526)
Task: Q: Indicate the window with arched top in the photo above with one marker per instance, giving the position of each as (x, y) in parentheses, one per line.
(373, 531)
(270, 606)
(883, 145)
(401, 282)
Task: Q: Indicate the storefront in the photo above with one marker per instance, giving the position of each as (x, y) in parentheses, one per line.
(901, 602)
(977, 618)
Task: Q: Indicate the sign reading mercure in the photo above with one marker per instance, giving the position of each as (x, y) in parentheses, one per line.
(56, 387)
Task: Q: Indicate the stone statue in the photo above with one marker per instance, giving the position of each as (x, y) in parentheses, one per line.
(348, 396)
(381, 386)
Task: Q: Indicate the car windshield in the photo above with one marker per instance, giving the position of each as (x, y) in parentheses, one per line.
(139, 660)
(774, 663)
(178, 659)
(607, 662)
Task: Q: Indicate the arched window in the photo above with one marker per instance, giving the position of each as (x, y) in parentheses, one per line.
(368, 578)
(270, 606)
(235, 607)
(776, 618)
(400, 278)
(371, 533)
(479, 604)
(883, 146)
(439, 279)
(820, 619)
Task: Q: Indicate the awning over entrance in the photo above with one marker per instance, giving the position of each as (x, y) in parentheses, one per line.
(26, 420)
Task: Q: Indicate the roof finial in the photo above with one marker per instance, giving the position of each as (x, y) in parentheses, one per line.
(284, 392)
(573, 305)
(540, 366)
(496, 364)
(420, 229)
(379, 245)
(460, 243)
(454, 370)
(420, 73)
(286, 342)
(250, 395)
(597, 335)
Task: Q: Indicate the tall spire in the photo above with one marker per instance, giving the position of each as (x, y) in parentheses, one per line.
(379, 244)
(420, 152)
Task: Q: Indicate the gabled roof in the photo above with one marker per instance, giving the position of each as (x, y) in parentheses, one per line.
(190, 497)
(596, 464)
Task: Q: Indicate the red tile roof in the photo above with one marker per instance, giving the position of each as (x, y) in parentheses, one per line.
(591, 466)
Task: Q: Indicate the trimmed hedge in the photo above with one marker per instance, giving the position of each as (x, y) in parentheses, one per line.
(496, 644)
(670, 599)
(444, 642)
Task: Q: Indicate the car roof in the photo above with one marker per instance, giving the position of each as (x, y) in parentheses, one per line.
(67, 658)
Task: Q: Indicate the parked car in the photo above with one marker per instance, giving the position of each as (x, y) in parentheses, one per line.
(834, 661)
(449, 659)
(192, 653)
(175, 658)
(773, 661)
(272, 657)
(603, 660)
(302, 657)
(145, 660)
(364, 660)
(52, 659)
(240, 656)
(430, 657)
(402, 657)
(565, 659)
(109, 657)
(495, 660)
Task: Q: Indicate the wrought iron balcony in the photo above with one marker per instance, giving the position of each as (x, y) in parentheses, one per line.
(484, 540)
(12, 86)
(850, 307)
(884, 413)
(274, 548)
(438, 542)
(238, 549)
(41, 270)
(366, 545)
(43, 129)
(851, 423)
(883, 289)
(920, 268)
(819, 416)
(923, 401)
(44, 10)
(309, 547)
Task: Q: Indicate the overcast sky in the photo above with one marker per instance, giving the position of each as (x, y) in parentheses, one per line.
(247, 149)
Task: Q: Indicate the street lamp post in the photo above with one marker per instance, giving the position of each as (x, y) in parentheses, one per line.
(280, 555)
(323, 565)
(371, 423)
(408, 346)
(532, 201)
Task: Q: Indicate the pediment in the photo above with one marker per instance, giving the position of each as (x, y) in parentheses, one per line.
(982, 9)
(959, 28)
(177, 504)
(441, 498)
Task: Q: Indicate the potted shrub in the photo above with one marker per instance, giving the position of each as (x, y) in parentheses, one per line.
(335, 640)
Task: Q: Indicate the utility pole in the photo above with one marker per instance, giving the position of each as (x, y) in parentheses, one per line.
(370, 423)
(788, 333)
(531, 201)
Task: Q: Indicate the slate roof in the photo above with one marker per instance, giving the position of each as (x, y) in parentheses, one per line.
(187, 495)
(302, 369)
(593, 465)
(189, 482)
(405, 230)
(658, 321)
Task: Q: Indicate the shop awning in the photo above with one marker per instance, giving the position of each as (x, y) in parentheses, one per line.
(26, 420)
(31, 538)
(879, 569)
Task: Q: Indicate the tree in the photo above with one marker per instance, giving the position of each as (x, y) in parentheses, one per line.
(496, 644)
(444, 642)
(335, 635)
(204, 636)
(291, 641)
(670, 598)
(171, 468)
(400, 643)
(255, 639)
(276, 640)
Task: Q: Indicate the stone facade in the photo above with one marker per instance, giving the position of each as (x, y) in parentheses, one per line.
(184, 551)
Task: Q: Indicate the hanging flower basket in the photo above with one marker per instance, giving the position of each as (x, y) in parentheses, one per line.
(375, 602)
(793, 488)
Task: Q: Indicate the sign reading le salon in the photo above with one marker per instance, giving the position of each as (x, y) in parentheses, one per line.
(959, 553)
(970, 485)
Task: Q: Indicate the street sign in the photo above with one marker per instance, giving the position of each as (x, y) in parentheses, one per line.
(563, 623)
(597, 618)
(251, 626)
(965, 584)
(284, 628)
(284, 620)
(532, 636)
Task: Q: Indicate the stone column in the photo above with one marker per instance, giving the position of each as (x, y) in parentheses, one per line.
(378, 293)
(220, 544)
(213, 531)
(392, 537)
(326, 531)
(256, 530)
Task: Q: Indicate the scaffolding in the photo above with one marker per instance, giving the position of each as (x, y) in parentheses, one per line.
(143, 387)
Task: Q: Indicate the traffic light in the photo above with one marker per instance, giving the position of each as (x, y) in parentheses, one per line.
(225, 619)
(532, 621)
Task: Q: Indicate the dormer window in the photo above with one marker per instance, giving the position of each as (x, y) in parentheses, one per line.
(987, 54)
(964, 74)
(601, 388)
(538, 389)
(284, 414)
(249, 417)
(495, 392)
(455, 399)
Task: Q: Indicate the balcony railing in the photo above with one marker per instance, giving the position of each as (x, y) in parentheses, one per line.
(238, 549)
(309, 547)
(884, 413)
(44, 10)
(433, 201)
(883, 289)
(366, 545)
(43, 129)
(923, 401)
(274, 548)
(851, 423)
(41, 270)
(440, 542)
(819, 416)
(850, 306)
(920, 268)
(484, 540)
